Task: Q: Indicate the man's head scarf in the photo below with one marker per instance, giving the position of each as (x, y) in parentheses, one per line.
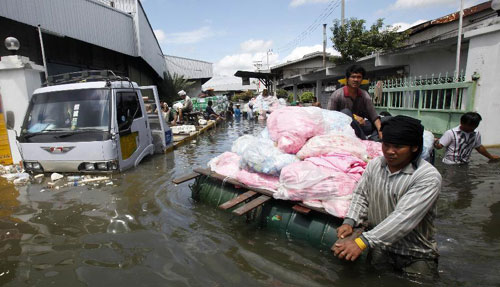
(403, 130)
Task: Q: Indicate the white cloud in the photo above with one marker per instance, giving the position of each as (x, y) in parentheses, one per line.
(412, 4)
(189, 37)
(160, 35)
(296, 3)
(404, 26)
(246, 61)
(252, 46)
(243, 61)
(299, 52)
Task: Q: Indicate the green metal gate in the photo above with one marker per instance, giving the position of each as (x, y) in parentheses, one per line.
(438, 102)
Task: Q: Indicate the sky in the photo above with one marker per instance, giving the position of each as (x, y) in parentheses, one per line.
(237, 34)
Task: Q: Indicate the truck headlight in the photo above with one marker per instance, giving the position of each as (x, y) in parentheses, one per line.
(102, 165)
(37, 165)
(89, 166)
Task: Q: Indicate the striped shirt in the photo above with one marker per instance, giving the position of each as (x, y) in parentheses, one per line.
(399, 207)
(459, 145)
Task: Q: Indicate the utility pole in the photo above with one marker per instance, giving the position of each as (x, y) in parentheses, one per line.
(324, 45)
(342, 15)
(43, 54)
(270, 51)
(459, 41)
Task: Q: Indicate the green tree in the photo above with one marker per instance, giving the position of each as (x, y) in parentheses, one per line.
(307, 97)
(244, 96)
(281, 93)
(353, 41)
(171, 85)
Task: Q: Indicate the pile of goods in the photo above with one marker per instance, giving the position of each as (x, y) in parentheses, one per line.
(304, 154)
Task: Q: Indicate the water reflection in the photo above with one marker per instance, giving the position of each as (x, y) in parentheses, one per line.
(146, 231)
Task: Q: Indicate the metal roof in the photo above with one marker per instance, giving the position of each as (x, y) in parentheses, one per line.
(227, 83)
(189, 68)
(304, 58)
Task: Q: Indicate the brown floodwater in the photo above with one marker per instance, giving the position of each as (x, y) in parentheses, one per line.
(145, 231)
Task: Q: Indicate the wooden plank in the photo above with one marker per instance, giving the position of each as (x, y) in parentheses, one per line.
(301, 209)
(185, 178)
(237, 200)
(214, 175)
(251, 205)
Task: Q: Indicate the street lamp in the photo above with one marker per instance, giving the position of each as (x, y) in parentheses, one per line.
(495, 5)
(12, 44)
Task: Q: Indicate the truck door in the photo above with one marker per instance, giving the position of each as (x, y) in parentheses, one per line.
(132, 128)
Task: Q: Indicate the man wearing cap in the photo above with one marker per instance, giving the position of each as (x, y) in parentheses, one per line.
(396, 197)
(188, 104)
(356, 103)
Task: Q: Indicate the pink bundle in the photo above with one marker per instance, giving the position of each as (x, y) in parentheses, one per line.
(291, 127)
(337, 206)
(333, 143)
(226, 164)
(306, 181)
(345, 163)
(373, 149)
(258, 180)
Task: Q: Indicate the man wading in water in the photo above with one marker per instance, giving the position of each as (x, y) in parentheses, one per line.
(397, 196)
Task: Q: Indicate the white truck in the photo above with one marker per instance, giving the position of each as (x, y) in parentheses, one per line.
(91, 121)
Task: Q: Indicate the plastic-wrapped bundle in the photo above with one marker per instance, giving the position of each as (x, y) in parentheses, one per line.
(338, 206)
(345, 163)
(260, 155)
(258, 180)
(226, 164)
(291, 127)
(306, 181)
(428, 145)
(337, 122)
(333, 143)
(373, 149)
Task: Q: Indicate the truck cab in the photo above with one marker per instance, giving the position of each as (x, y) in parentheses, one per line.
(87, 126)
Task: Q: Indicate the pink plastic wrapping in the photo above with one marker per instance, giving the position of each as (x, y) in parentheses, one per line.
(306, 181)
(258, 180)
(333, 143)
(373, 149)
(345, 163)
(226, 164)
(337, 206)
(291, 127)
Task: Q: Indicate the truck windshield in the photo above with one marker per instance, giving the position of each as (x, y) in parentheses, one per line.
(72, 110)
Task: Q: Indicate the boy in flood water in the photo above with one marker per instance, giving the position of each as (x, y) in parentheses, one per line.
(461, 140)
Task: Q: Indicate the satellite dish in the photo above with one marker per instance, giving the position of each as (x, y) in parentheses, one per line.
(12, 44)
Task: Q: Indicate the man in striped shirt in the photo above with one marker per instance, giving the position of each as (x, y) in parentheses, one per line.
(396, 197)
(460, 141)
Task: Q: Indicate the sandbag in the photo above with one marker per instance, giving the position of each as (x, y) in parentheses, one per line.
(337, 206)
(428, 145)
(337, 122)
(226, 164)
(373, 148)
(258, 180)
(333, 143)
(291, 127)
(306, 181)
(260, 155)
(346, 163)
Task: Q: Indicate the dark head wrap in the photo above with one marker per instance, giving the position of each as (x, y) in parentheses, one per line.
(403, 130)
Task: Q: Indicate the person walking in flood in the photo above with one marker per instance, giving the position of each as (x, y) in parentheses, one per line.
(356, 103)
(396, 197)
(461, 140)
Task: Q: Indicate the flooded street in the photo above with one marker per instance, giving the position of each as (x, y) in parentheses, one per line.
(146, 231)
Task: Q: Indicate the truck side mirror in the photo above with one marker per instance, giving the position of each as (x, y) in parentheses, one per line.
(10, 120)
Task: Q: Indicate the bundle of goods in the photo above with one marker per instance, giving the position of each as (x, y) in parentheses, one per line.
(304, 154)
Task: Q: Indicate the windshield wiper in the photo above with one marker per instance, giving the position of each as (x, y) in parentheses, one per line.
(78, 131)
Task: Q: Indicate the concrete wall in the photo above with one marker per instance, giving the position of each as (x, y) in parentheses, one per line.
(484, 58)
(437, 61)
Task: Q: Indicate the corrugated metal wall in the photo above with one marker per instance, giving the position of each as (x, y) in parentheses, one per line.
(190, 69)
(150, 49)
(84, 20)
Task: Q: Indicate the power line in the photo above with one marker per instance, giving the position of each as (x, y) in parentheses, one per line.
(332, 5)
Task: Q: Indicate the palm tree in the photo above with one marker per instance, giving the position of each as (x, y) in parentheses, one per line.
(171, 85)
